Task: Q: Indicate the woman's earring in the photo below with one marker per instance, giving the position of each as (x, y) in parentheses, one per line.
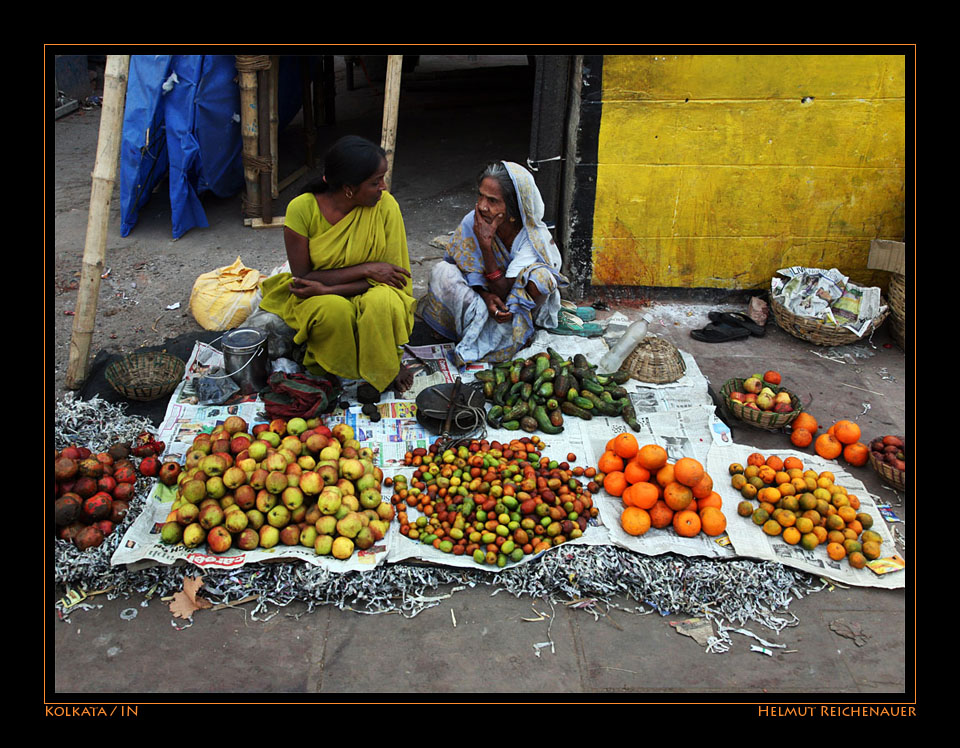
(349, 194)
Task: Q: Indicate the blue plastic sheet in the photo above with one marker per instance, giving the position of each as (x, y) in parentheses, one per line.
(182, 121)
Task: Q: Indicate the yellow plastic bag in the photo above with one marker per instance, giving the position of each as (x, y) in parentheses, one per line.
(223, 298)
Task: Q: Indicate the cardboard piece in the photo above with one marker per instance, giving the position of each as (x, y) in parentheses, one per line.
(887, 255)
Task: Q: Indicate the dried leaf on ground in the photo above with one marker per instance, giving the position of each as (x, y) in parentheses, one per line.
(185, 603)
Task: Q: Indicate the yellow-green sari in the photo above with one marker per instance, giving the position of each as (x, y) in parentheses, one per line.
(359, 337)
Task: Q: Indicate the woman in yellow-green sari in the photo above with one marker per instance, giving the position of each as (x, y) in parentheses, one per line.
(348, 294)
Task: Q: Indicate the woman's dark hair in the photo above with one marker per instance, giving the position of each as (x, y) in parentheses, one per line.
(350, 161)
(498, 172)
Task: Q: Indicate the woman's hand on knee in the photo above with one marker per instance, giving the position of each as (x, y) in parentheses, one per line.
(304, 289)
(388, 274)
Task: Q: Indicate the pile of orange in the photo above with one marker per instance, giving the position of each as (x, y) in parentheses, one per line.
(804, 508)
(657, 492)
(842, 439)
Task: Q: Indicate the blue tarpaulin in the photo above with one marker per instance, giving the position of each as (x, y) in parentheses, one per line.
(182, 121)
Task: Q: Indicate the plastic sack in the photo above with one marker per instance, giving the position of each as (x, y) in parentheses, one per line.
(223, 298)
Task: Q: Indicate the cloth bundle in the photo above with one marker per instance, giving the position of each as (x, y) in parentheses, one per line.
(304, 395)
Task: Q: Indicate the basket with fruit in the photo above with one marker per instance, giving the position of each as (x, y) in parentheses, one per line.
(888, 458)
(760, 401)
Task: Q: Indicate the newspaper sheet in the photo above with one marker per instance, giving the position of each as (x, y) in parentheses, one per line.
(750, 541)
(678, 415)
(827, 295)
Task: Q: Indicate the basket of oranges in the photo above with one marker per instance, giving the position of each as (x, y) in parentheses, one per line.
(760, 401)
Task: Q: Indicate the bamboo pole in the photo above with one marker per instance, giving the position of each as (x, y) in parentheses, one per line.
(101, 194)
(274, 123)
(263, 128)
(391, 102)
(247, 75)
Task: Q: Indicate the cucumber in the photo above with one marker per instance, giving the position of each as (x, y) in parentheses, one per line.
(529, 424)
(544, 423)
(495, 416)
(570, 409)
(511, 425)
(518, 411)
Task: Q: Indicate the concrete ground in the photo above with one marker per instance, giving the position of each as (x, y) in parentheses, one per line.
(330, 654)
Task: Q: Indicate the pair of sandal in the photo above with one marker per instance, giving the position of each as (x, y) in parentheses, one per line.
(725, 326)
(576, 320)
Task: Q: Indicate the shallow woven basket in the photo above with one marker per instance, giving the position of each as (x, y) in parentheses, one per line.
(898, 311)
(888, 474)
(656, 361)
(763, 419)
(820, 331)
(145, 376)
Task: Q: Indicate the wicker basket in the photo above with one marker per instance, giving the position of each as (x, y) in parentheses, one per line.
(764, 419)
(655, 361)
(145, 376)
(820, 331)
(888, 473)
(898, 312)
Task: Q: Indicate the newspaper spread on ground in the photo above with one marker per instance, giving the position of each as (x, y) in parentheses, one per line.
(750, 541)
(678, 415)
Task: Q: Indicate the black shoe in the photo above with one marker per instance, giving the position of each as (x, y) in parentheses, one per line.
(738, 319)
(719, 332)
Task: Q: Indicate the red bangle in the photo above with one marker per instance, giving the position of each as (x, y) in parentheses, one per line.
(495, 275)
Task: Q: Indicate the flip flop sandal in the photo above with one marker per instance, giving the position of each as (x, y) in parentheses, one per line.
(738, 319)
(571, 324)
(586, 313)
(718, 332)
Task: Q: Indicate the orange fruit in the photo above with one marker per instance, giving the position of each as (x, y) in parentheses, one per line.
(703, 487)
(756, 459)
(775, 462)
(767, 474)
(642, 495)
(713, 500)
(828, 446)
(792, 463)
(857, 560)
(847, 432)
(677, 496)
(791, 535)
(661, 515)
(805, 421)
(871, 549)
(610, 462)
(652, 456)
(772, 527)
(635, 472)
(688, 471)
(625, 445)
(745, 508)
(836, 551)
(634, 520)
(773, 377)
(686, 523)
(820, 532)
(856, 454)
(666, 474)
(712, 521)
(800, 437)
(614, 483)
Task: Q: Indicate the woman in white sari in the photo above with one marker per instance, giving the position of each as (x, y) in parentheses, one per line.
(500, 276)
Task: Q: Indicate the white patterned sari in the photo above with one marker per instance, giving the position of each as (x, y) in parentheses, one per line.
(455, 310)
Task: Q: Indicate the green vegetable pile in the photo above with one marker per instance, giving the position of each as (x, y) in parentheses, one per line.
(534, 394)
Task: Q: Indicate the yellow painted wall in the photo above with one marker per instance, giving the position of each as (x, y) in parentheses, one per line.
(712, 172)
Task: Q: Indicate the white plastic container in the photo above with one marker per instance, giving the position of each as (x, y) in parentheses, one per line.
(624, 347)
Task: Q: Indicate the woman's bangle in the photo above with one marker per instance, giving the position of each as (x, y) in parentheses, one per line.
(495, 275)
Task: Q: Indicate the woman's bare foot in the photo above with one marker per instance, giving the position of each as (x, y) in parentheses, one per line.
(403, 380)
